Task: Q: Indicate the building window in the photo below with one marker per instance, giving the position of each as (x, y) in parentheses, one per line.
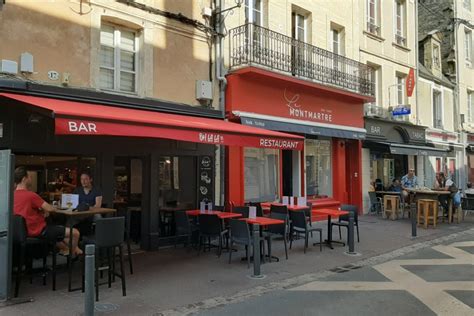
(470, 105)
(467, 4)
(299, 27)
(375, 108)
(336, 41)
(373, 16)
(437, 110)
(468, 44)
(436, 56)
(254, 12)
(400, 38)
(400, 90)
(318, 167)
(118, 59)
(261, 174)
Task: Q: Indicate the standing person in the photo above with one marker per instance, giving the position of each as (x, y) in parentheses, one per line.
(34, 210)
(87, 192)
(409, 181)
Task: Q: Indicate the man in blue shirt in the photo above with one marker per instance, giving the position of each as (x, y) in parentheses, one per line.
(87, 192)
(409, 181)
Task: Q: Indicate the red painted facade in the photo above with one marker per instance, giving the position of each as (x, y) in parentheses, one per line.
(268, 93)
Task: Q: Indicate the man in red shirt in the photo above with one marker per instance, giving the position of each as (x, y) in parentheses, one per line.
(34, 210)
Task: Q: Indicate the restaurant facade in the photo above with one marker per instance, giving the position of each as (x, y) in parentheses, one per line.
(328, 171)
(152, 157)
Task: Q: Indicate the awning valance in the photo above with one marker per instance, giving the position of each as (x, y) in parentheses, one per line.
(77, 118)
(300, 127)
(401, 149)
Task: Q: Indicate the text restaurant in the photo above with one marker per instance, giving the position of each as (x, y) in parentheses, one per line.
(141, 154)
(331, 120)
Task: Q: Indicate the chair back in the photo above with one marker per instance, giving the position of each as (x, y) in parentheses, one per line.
(19, 231)
(239, 230)
(109, 232)
(351, 209)
(283, 209)
(209, 224)
(244, 210)
(218, 208)
(373, 198)
(182, 224)
(278, 229)
(298, 219)
(258, 205)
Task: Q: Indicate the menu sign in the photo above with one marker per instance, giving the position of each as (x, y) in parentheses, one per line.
(206, 178)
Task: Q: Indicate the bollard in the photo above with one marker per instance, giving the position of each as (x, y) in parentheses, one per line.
(351, 233)
(89, 302)
(256, 251)
(413, 214)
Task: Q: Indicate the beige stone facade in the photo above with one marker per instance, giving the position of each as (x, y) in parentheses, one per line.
(65, 37)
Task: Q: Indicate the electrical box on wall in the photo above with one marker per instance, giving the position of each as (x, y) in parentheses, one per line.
(203, 90)
(26, 63)
(9, 66)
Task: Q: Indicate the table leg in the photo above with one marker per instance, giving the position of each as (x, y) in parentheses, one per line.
(69, 258)
(450, 210)
(329, 240)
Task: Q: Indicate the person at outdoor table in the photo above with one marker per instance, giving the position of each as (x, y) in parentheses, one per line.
(396, 186)
(470, 189)
(90, 195)
(445, 184)
(34, 210)
(372, 186)
(409, 181)
(438, 183)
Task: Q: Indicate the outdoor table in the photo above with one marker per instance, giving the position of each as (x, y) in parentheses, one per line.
(70, 214)
(220, 214)
(263, 221)
(267, 206)
(428, 194)
(330, 213)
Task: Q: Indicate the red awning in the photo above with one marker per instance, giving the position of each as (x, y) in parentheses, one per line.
(77, 118)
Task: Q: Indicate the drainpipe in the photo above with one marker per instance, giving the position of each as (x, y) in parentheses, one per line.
(222, 83)
(416, 64)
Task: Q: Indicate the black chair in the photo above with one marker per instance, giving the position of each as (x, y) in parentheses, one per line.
(299, 225)
(184, 227)
(218, 208)
(344, 219)
(125, 212)
(210, 226)
(244, 210)
(277, 231)
(109, 235)
(26, 249)
(258, 206)
(240, 234)
(375, 203)
(282, 209)
(467, 204)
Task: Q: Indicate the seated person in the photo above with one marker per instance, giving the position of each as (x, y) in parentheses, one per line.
(372, 186)
(470, 189)
(446, 184)
(34, 210)
(90, 195)
(379, 185)
(409, 181)
(396, 186)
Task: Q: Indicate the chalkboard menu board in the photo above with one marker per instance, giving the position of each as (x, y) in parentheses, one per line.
(206, 179)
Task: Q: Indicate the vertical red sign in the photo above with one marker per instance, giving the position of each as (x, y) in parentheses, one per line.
(410, 82)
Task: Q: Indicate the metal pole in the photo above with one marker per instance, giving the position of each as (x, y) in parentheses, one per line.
(413, 213)
(351, 232)
(256, 251)
(89, 280)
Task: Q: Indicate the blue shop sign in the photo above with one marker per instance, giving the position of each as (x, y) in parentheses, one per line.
(401, 110)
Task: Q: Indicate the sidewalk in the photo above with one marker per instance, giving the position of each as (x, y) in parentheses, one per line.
(168, 279)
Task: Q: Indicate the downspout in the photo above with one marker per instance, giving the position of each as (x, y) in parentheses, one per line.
(222, 83)
(457, 108)
(416, 65)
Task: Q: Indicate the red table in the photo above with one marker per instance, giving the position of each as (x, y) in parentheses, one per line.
(267, 206)
(221, 215)
(330, 213)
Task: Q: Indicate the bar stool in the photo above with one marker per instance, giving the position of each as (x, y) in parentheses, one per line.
(427, 210)
(391, 205)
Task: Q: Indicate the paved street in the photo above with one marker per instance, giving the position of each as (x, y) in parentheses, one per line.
(436, 280)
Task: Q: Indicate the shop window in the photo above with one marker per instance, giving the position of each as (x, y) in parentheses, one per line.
(261, 174)
(318, 167)
(373, 17)
(452, 169)
(118, 58)
(54, 175)
(400, 23)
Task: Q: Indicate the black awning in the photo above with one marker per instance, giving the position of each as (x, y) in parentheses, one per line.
(401, 149)
(313, 129)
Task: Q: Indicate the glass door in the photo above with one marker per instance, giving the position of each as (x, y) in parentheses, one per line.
(6, 206)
